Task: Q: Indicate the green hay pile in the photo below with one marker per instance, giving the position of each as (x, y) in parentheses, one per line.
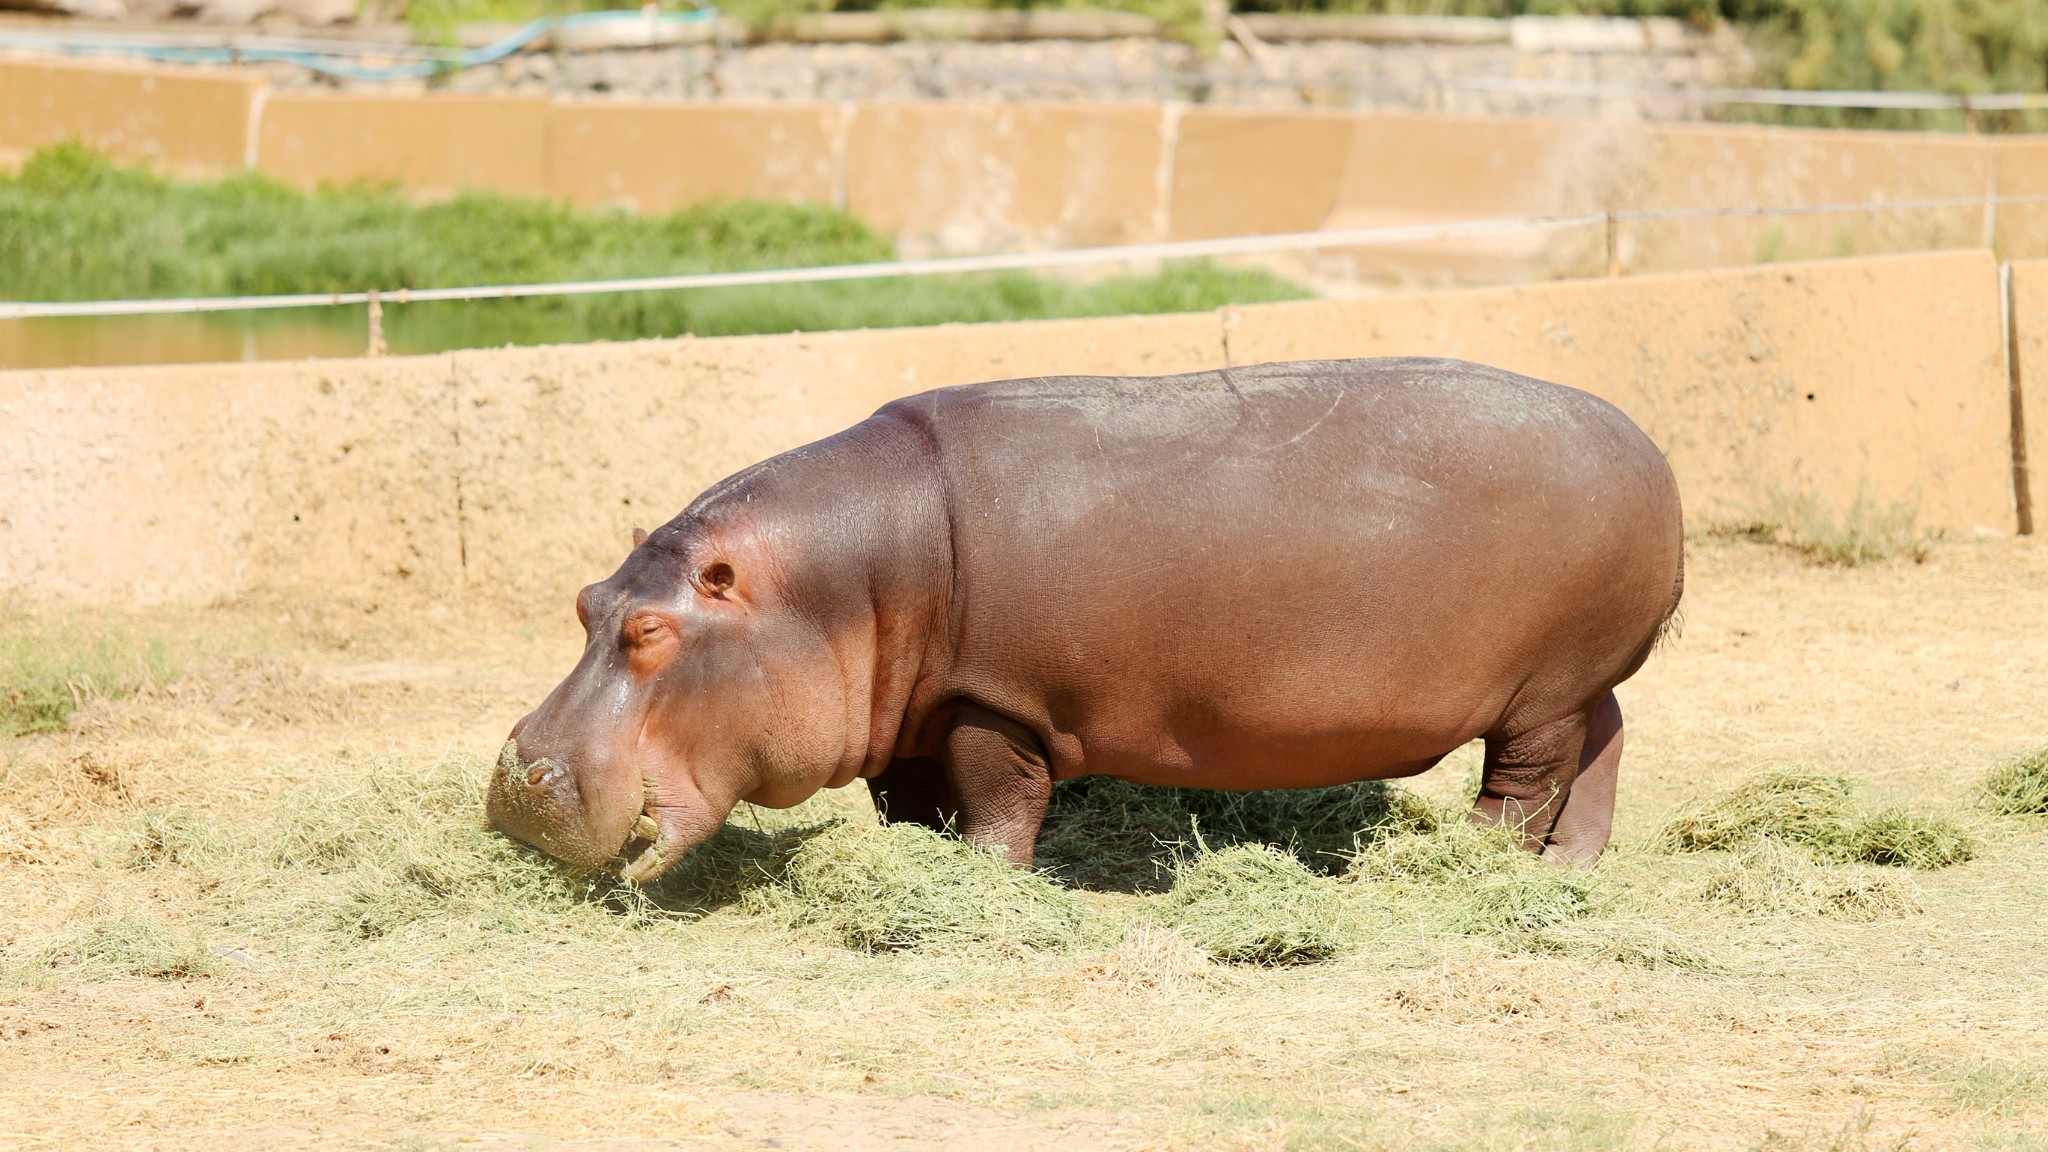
(900, 886)
(1820, 814)
(1523, 901)
(1101, 832)
(2019, 788)
(397, 846)
(1771, 878)
(1254, 904)
(1426, 844)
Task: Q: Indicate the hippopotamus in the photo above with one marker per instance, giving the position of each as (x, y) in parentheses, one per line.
(1289, 575)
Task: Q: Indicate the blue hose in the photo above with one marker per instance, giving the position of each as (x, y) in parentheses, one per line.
(329, 64)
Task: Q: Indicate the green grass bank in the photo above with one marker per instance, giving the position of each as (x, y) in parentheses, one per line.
(75, 226)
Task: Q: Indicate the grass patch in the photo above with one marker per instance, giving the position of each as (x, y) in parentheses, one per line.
(1818, 813)
(2018, 787)
(1254, 904)
(886, 888)
(49, 668)
(75, 226)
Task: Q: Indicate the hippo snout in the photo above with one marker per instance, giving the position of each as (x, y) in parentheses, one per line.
(539, 801)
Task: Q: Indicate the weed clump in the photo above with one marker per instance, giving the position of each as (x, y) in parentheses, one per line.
(1254, 904)
(1864, 534)
(1770, 878)
(901, 886)
(2018, 788)
(1818, 813)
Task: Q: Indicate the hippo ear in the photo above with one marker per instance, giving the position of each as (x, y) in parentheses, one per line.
(716, 579)
(639, 537)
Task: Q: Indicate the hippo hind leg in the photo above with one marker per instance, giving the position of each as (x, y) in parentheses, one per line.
(1587, 819)
(1556, 782)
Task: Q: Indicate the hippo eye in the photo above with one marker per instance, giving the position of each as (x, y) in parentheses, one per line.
(640, 629)
(716, 578)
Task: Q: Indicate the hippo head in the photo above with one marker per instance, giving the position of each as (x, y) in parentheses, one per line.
(700, 686)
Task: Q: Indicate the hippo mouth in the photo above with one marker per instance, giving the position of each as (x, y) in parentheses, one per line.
(653, 845)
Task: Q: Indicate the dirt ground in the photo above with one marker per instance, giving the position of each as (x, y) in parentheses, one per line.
(595, 1029)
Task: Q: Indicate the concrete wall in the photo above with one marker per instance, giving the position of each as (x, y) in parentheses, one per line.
(517, 473)
(181, 120)
(982, 175)
(435, 146)
(1881, 377)
(662, 157)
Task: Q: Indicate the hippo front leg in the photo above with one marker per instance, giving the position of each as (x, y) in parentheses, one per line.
(1002, 780)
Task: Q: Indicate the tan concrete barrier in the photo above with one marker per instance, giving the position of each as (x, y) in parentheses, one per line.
(566, 453)
(432, 144)
(999, 175)
(1676, 166)
(2022, 171)
(1238, 173)
(2030, 357)
(982, 176)
(662, 157)
(518, 472)
(1881, 378)
(185, 121)
(209, 481)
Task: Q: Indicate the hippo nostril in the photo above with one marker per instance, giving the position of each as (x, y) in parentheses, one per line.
(544, 773)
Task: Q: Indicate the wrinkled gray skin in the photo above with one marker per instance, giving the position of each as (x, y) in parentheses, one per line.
(1285, 576)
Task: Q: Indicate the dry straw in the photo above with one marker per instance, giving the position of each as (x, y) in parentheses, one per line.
(1770, 878)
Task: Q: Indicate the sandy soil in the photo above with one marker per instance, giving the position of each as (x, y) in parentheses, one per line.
(1927, 1030)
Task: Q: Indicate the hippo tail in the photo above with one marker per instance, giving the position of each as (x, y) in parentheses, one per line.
(1672, 626)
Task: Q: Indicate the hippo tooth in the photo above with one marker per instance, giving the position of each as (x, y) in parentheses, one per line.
(644, 828)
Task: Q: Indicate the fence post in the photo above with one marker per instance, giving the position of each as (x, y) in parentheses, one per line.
(2022, 483)
(376, 347)
(1613, 245)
